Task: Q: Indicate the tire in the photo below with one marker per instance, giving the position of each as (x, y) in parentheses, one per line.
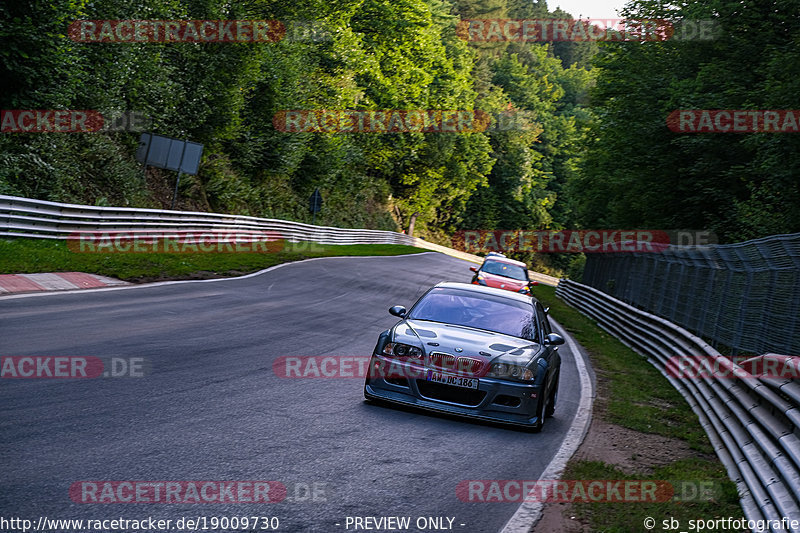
(551, 403)
(541, 409)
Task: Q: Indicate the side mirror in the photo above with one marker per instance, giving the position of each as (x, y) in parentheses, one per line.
(399, 311)
(474, 269)
(547, 310)
(554, 339)
(534, 283)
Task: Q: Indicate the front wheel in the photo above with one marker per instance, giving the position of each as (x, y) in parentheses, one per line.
(540, 413)
(551, 402)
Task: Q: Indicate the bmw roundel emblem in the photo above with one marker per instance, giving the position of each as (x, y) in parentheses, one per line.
(459, 350)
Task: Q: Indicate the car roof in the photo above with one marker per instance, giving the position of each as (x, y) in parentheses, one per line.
(486, 290)
(503, 259)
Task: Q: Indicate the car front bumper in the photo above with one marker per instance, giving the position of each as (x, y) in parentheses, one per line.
(495, 400)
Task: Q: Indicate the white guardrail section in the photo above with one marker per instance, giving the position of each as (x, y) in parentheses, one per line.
(25, 217)
(753, 422)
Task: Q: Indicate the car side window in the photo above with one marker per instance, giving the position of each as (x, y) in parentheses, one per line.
(545, 324)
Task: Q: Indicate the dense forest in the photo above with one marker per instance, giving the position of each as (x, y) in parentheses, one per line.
(588, 145)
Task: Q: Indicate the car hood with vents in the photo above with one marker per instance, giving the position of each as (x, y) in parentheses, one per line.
(465, 341)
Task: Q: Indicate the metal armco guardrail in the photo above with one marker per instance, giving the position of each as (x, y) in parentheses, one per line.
(26, 217)
(752, 422)
(736, 289)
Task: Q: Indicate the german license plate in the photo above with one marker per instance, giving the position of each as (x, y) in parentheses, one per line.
(450, 379)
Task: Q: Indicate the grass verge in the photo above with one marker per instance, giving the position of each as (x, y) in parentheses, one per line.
(28, 256)
(701, 491)
(636, 396)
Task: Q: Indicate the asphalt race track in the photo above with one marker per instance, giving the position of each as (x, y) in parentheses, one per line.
(211, 407)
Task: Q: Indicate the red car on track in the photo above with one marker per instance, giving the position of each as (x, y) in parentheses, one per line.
(501, 272)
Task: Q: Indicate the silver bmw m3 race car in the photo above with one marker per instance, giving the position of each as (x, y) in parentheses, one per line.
(471, 351)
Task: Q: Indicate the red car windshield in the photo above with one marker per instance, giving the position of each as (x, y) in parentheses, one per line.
(504, 269)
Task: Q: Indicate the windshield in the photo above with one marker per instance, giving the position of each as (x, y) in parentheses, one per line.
(482, 311)
(504, 269)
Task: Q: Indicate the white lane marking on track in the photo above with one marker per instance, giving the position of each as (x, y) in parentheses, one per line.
(529, 512)
(162, 283)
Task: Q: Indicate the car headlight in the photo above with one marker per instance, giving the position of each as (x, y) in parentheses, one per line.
(525, 290)
(397, 349)
(481, 279)
(506, 371)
